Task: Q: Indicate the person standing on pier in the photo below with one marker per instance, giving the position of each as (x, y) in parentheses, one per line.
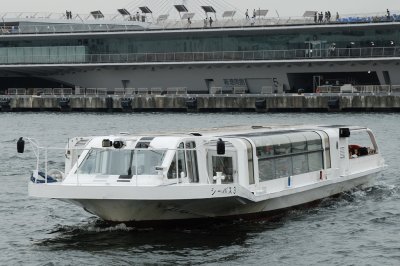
(247, 14)
(211, 21)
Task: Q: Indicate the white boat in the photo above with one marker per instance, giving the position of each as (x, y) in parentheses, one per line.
(216, 173)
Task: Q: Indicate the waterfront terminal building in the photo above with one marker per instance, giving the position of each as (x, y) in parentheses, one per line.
(257, 55)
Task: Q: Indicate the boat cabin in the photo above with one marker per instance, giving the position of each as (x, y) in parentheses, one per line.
(258, 158)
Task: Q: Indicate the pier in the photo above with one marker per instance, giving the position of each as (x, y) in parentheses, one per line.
(285, 102)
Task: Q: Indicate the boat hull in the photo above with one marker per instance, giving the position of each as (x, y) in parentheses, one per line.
(146, 211)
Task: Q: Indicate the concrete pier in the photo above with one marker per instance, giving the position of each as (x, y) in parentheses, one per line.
(203, 103)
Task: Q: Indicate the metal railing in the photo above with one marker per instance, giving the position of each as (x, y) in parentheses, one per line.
(16, 91)
(98, 92)
(7, 16)
(62, 91)
(361, 89)
(115, 22)
(176, 91)
(256, 55)
(67, 28)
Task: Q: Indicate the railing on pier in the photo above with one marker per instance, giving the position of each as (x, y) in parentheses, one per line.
(361, 89)
(16, 91)
(177, 91)
(98, 92)
(62, 91)
(181, 91)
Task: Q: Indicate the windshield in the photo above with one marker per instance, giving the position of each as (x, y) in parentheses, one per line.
(121, 162)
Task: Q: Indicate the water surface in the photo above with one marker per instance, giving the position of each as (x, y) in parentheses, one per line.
(358, 228)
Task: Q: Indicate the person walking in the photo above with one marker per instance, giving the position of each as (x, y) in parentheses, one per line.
(211, 21)
(247, 14)
(205, 22)
(315, 17)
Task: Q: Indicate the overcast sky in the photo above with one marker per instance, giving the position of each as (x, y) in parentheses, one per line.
(284, 7)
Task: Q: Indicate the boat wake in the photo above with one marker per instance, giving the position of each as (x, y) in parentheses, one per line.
(368, 199)
(98, 235)
(353, 198)
(94, 225)
(379, 192)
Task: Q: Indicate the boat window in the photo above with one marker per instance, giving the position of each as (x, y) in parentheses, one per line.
(181, 160)
(299, 151)
(299, 143)
(282, 145)
(300, 164)
(315, 161)
(265, 151)
(250, 161)
(146, 162)
(282, 149)
(327, 151)
(283, 167)
(191, 156)
(314, 142)
(289, 154)
(361, 144)
(223, 164)
(121, 162)
(172, 173)
(266, 169)
(180, 157)
(315, 155)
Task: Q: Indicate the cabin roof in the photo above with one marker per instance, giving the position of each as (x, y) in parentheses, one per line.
(238, 131)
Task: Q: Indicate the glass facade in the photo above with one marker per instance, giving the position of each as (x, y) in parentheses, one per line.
(199, 42)
(44, 54)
